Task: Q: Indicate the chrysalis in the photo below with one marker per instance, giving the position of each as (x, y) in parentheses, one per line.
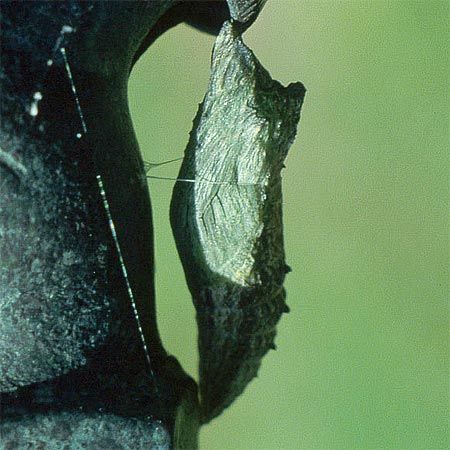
(228, 223)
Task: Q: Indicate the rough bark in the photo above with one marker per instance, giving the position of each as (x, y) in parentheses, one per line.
(68, 334)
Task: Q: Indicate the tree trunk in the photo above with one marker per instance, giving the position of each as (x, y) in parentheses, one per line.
(72, 360)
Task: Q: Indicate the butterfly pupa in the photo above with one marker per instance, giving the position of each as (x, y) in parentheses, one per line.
(228, 231)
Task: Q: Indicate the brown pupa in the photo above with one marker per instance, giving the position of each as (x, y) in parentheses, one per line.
(227, 221)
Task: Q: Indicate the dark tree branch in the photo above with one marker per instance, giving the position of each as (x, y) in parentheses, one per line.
(68, 335)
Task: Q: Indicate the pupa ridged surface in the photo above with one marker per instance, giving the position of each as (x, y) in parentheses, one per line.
(245, 11)
(228, 222)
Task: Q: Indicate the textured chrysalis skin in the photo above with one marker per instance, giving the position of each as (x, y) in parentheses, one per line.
(228, 224)
(245, 11)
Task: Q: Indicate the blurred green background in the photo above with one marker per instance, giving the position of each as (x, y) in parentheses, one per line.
(362, 358)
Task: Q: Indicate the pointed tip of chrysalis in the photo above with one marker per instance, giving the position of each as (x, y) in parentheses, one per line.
(245, 12)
